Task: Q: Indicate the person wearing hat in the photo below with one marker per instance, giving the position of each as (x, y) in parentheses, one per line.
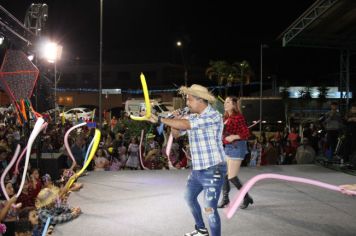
(46, 204)
(204, 126)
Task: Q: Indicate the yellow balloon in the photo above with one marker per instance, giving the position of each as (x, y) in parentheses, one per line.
(91, 155)
(147, 101)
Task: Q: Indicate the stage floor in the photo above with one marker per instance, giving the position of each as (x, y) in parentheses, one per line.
(151, 203)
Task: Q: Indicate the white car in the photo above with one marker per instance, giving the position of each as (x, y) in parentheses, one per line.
(77, 113)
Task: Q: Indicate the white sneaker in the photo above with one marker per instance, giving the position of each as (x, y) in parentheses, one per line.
(198, 232)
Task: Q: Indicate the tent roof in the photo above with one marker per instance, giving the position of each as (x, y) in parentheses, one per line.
(325, 24)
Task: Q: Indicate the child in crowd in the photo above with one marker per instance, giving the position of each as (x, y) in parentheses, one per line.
(101, 160)
(256, 150)
(133, 162)
(30, 214)
(23, 228)
(35, 181)
(11, 215)
(66, 174)
(46, 205)
(27, 197)
(47, 181)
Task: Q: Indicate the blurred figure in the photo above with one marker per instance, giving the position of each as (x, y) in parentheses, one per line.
(333, 124)
(305, 153)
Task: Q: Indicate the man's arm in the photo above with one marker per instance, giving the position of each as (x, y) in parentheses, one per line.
(175, 132)
(178, 124)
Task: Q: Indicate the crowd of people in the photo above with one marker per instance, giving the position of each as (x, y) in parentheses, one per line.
(216, 145)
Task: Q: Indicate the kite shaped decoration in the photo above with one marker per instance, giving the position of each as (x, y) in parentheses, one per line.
(18, 76)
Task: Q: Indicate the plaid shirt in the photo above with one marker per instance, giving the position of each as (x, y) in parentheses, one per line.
(205, 139)
(58, 214)
(236, 124)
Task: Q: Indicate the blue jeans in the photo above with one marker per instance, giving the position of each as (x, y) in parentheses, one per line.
(210, 180)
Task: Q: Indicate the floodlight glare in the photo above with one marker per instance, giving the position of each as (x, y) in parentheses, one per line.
(52, 52)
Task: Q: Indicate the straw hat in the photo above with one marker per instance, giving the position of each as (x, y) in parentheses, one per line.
(198, 91)
(46, 196)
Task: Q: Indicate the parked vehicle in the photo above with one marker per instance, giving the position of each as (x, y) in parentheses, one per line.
(6, 109)
(136, 106)
(77, 113)
(116, 111)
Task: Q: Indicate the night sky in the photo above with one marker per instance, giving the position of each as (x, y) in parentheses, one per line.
(145, 31)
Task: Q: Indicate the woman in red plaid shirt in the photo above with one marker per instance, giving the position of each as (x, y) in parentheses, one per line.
(235, 136)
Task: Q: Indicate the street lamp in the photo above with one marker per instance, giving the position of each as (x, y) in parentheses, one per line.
(180, 46)
(52, 53)
(262, 46)
(101, 62)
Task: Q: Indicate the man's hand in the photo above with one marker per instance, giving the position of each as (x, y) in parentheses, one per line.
(153, 119)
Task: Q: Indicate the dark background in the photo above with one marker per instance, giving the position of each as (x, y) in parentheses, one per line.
(145, 31)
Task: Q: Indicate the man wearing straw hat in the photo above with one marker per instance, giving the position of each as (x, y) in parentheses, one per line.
(46, 205)
(204, 127)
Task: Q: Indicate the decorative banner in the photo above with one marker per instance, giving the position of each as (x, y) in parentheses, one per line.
(234, 205)
(147, 101)
(8, 167)
(36, 130)
(66, 144)
(91, 155)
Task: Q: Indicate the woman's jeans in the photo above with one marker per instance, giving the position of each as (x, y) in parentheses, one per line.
(210, 180)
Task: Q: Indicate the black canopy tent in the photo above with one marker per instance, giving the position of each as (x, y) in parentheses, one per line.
(327, 24)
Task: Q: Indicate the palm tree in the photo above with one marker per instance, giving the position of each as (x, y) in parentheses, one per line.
(245, 74)
(322, 96)
(305, 96)
(227, 74)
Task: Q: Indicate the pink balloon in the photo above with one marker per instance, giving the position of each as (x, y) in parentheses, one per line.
(66, 144)
(168, 150)
(43, 127)
(8, 167)
(36, 130)
(140, 150)
(230, 211)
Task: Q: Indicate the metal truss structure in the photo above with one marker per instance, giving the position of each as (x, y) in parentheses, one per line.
(327, 24)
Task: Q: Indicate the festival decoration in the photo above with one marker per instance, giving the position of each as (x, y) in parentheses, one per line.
(91, 155)
(66, 144)
(8, 167)
(36, 130)
(147, 101)
(230, 211)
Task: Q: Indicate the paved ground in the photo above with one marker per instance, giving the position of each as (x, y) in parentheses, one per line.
(151, 203)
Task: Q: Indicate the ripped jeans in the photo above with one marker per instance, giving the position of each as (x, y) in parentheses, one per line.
(210, 180)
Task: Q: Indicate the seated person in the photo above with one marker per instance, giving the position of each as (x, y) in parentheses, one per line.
(101, 160)
(152, 148)
(305, 153)
(23, 228)
(66, 174)
(46, 204)
(30, 214)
